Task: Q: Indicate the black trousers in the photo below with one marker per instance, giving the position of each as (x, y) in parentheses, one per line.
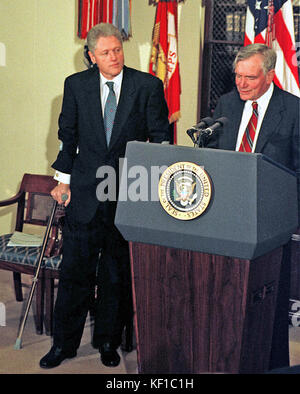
(81, 271)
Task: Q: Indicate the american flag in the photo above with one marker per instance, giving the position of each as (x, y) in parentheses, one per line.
(271, 22)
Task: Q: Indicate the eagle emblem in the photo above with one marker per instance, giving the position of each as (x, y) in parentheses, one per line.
(185, 191)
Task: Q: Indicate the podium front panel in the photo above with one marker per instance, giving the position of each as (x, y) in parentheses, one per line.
(253, 208)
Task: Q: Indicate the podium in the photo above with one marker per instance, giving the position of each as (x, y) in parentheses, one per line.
(204, 290)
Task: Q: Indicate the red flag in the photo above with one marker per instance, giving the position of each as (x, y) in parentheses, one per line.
(164, 56)
(106, 11)
(92, 12)
(271, 22)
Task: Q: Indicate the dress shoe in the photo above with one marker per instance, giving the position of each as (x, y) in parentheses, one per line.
(55, 356)
(109, 355)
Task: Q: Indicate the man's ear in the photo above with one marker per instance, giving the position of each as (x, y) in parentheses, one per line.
(270, 76)
(93, 59)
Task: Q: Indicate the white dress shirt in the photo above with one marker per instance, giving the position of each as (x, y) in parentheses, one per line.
(104, 91)
(263, 103)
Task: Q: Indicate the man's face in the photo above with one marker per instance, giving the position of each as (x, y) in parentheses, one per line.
(251, 82)
(109, 56)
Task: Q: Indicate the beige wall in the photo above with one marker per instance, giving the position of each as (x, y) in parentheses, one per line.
(38, 49)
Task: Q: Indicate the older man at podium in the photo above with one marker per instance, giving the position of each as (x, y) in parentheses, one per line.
(263, 118)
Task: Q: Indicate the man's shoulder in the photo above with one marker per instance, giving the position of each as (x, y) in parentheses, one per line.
(230, 101)
(140, 75)
(82, 75)
(286, 102)
(286, 95)
(233, 94)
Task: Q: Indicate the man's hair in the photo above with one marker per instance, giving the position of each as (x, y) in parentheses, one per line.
(101, 30)
(268, 55)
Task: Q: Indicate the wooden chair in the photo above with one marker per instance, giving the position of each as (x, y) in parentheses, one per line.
(34, 203)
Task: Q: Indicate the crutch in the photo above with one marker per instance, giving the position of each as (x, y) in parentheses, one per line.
(18, 343)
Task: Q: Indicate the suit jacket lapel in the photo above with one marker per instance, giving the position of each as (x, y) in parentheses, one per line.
(92, 88)
(125, 104)
(237, 117)
(271, 119)
(230, 137)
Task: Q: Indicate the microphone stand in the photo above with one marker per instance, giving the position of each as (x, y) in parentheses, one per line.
(201, 139)
(203, 132)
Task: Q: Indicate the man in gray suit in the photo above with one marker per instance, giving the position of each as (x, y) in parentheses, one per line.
(272, 128)
(89, 142)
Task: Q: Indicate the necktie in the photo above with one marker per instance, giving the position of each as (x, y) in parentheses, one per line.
(109, 111)
(248, 137)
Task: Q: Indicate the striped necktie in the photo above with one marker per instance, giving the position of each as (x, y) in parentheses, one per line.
(109, 111)
(248, 137)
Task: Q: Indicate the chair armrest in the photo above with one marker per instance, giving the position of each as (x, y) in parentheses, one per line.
(12, 200)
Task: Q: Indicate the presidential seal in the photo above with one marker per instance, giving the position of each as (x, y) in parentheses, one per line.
(184, 190)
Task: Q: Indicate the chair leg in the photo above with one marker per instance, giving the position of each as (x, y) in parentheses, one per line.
(18, 286)
(49, 290)
(39, 306)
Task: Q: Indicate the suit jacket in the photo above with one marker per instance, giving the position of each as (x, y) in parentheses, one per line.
(279, 136)
(142, 115)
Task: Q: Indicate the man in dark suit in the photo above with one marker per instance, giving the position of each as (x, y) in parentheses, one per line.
(91, 140)
(276, 133)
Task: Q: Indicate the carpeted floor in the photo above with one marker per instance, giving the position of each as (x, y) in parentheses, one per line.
(26, 359)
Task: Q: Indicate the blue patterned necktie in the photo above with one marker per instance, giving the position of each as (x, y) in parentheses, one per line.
(109, 111)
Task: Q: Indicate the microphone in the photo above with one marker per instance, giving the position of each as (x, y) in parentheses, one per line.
(205, 122)
(217, 124)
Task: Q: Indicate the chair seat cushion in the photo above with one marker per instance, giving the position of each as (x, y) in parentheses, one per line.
(25, 255)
